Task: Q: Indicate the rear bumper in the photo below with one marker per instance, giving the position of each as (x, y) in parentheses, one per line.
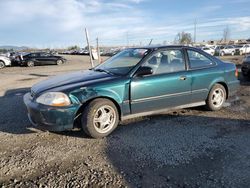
(245, 70)
(49, 118)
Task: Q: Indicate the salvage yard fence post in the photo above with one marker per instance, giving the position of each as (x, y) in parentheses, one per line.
(90, 50)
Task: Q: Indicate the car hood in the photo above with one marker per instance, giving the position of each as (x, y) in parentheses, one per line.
(69, 79)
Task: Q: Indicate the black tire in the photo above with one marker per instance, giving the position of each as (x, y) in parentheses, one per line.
(222, 53)
(30, 64)
(92, 111)
(2, 64)
(59, 62)
(211, 103)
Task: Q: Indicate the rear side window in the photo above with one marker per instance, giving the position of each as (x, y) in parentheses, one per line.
(198, 60)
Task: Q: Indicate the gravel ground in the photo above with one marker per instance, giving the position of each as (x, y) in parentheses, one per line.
(185, 148)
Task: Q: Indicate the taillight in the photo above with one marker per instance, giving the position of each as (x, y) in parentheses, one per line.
(236, 72)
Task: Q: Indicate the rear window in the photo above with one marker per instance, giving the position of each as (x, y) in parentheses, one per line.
(198, 60)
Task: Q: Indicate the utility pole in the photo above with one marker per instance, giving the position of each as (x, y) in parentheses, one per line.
(127, 38)
(98, 51)
(195, 23)
(90, 51)
(150, 42)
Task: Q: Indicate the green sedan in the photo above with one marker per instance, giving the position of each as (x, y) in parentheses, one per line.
(135, 82)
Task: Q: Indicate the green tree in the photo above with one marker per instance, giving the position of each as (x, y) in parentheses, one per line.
(183, 38)
(73, 47)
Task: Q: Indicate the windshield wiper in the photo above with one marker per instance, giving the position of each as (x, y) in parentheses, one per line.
(103, 70)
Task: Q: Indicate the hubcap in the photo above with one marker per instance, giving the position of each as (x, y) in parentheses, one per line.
(218, 97)
(30, 64)
(104, 119)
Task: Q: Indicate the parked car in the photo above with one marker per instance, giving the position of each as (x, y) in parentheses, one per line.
(4, 61)
(134, 82)
(208, 50)
(40, 58)
(217, 49)
(245, 49)
(237, 49)
(245, 67)
(227, 50)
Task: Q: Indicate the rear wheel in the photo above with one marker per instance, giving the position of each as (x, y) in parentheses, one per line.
(222, 53)
(100, 118)
(216, 97)
(30, 64)
(2, 64)
(59, 62)
(232, 53)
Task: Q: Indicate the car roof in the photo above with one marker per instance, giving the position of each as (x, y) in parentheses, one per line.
(165, 46)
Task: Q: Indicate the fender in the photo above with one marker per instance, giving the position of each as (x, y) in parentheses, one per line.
(85, 94)
(217, 80)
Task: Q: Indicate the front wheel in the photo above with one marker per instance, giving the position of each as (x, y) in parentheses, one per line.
(216, 98)
(2, 65)
(100, 117)
(59, 62)
(30, 64)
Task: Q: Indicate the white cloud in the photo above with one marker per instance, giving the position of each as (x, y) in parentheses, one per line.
(63, 21)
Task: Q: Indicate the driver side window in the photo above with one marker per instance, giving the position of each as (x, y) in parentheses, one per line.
(166, 61)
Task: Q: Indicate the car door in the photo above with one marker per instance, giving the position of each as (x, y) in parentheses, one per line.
(52, 59)
(204, 71)
(168, 86)
(44, 59)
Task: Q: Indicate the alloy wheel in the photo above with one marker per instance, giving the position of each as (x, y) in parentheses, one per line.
(218, 97)
(104, 119)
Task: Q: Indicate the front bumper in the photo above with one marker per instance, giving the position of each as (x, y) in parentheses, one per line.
(48, 117)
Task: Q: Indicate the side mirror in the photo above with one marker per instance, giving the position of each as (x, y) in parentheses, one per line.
(143, 71)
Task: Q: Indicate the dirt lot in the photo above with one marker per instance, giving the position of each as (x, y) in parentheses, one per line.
(185, 148)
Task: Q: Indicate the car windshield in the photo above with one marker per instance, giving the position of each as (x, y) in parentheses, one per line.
(122, 62)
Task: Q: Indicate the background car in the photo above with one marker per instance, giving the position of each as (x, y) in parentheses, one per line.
(227, 50)
(245, 67)
(245, 49)
(4, 61)
(40, 58)
(237, 49)
(217, 49)
(210, 51)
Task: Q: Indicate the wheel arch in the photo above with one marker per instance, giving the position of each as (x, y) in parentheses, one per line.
(226, 88)
(223, 83)
(82, 107)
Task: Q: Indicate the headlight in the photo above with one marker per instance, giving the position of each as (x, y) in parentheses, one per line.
(54, 99)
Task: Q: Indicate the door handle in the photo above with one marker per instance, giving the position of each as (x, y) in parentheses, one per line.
(183, 78)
